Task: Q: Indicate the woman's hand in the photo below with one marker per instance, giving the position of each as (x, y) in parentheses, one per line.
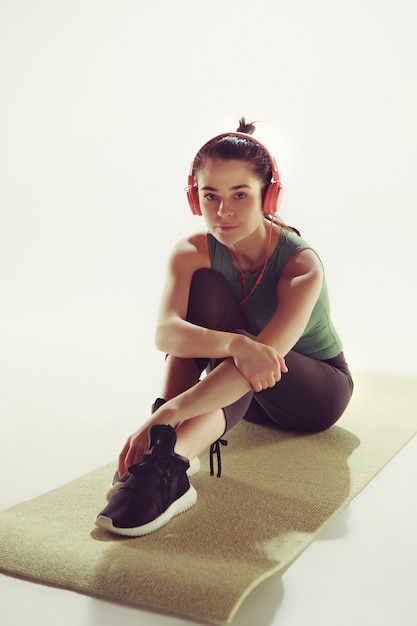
(135, 447)
(260, 364)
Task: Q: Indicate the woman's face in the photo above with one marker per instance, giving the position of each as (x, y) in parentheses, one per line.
(230, 196)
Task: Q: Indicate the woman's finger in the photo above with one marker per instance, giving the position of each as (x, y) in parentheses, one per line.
(122, 459)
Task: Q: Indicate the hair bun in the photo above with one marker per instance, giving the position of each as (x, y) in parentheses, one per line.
(245, 127)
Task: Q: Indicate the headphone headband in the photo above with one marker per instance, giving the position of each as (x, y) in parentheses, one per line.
(270, 202)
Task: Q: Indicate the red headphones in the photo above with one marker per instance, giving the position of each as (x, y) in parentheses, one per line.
(272, 192)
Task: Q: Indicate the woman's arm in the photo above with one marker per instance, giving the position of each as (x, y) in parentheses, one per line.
(258, 363)
(297, 290)
(174, 335)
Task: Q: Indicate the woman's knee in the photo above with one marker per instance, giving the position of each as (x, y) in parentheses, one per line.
(212, 303)
(206, 283)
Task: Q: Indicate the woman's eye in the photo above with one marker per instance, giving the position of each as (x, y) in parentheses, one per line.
(210, 196)
(240, 196)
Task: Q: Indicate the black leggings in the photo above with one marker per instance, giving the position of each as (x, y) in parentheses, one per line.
(309, 398)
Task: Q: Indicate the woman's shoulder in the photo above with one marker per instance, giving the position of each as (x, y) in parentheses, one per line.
(299, 256)
(193, 244)
(192, 250)
(293, 240)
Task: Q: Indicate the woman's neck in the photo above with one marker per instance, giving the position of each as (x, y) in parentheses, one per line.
(250, 255)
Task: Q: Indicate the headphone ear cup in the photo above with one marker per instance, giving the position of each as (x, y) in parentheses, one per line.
(192, 197)
(272, 197)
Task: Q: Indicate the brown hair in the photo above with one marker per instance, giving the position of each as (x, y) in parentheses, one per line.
(235, 147)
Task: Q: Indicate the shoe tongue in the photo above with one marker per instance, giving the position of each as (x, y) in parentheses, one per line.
(162, 437)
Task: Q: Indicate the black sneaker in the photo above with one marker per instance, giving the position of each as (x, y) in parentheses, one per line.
(156, 489)
(119, 481)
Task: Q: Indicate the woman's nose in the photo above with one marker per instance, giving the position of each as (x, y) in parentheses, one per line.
(224, 208)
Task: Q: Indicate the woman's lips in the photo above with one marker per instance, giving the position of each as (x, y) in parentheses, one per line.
(224, 228)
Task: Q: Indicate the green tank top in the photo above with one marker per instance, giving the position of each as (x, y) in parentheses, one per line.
(320, 339)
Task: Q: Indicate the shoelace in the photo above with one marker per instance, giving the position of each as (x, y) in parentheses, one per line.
(215, 450)
(145, 461)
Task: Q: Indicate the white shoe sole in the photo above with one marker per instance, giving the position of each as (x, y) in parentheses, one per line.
(192, 470)
(183, 503)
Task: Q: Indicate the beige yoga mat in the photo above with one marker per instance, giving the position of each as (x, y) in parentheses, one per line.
(276, 492)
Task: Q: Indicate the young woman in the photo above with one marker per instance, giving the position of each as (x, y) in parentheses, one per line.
(247, 302)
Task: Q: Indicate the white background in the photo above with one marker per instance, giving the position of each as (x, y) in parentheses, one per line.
(102, 107)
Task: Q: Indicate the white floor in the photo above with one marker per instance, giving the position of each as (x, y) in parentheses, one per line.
(361, 570)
